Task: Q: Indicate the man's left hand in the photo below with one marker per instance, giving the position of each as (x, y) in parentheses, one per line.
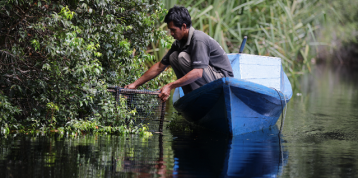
(165, 92)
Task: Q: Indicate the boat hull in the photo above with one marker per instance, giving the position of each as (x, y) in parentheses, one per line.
(233, 106)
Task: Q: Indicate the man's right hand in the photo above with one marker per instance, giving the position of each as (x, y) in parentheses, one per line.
(131, 86)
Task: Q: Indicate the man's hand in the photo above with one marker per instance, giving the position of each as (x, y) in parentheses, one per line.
(186, 79)
(165, 92)
(131, 86)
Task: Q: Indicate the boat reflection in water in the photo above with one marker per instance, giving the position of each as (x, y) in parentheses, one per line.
(256, 154)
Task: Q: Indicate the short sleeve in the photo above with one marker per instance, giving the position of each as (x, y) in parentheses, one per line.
(165, 59)
(200, 55)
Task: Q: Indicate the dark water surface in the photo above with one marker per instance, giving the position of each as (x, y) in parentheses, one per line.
(319, 139)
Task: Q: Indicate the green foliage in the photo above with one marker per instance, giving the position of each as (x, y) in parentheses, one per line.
(339, 32)
(178, 123)
(8, 112)
(342, 22)
(57, 58)
(281, 28)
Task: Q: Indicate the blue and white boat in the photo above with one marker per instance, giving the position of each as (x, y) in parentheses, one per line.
(252, 100)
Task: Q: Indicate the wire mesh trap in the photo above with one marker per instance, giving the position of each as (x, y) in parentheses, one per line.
(146, 103)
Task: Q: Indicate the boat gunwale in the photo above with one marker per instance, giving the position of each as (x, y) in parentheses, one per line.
(234, 82)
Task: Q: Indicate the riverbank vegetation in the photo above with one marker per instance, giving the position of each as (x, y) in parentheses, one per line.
(339, 33)
(58, 58)
(281, 28)
(299, 32)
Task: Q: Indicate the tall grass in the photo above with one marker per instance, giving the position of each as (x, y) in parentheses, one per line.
(340, 32)
(282, 28)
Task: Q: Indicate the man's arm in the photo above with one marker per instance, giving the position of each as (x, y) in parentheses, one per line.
(153, 71)
(190, 77)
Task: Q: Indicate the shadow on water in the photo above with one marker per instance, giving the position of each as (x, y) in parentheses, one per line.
(188, 154)
(257, 154)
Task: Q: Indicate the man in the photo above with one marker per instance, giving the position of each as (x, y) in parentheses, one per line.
(195, 57)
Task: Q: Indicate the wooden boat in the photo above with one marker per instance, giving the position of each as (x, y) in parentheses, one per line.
(250, 101)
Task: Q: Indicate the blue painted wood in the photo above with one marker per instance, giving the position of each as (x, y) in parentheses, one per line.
(238, 105)
(256, 154)
(242, 46)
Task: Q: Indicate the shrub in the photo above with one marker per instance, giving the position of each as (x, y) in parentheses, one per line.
(58, 57)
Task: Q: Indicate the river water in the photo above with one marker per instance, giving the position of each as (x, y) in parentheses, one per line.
(319, 139)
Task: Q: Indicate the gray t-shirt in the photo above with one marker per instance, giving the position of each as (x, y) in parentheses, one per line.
(203, 51)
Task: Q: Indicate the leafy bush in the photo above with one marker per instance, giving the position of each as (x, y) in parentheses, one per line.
(8, 112)
(58, 57)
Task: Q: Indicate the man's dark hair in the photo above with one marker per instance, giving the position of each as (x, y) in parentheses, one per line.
(178, 15)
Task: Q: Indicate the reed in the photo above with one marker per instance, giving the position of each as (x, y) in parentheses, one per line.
(339, 33)
(281, 28)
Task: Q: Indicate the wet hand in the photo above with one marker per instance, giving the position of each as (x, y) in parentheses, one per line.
(165, 93)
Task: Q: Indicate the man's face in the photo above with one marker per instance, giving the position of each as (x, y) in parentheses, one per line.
(177, 33)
